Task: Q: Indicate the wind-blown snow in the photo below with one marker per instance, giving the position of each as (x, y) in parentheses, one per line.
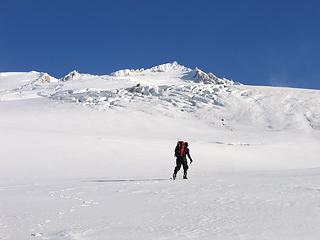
(89, 157)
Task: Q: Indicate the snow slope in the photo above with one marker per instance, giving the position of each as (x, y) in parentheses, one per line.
(89, 157)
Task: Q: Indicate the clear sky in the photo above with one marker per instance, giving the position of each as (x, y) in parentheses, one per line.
(275, 42)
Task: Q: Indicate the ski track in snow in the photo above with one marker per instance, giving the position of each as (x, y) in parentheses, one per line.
(251, 205)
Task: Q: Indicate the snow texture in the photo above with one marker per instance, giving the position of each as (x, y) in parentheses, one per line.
(90, 157)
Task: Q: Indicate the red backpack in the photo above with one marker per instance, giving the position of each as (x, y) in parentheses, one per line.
(179, 152)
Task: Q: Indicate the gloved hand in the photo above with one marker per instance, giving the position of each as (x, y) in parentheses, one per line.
(191, 161)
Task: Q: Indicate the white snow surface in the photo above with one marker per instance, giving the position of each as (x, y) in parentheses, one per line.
(90, 157)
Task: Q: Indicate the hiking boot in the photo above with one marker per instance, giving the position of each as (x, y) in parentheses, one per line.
(174, 176)
(185, 176)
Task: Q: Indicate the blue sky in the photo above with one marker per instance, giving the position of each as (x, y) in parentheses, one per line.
(254, 42)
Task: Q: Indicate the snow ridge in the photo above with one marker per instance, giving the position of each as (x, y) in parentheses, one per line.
(196, 75)
(174, 66)
(209, 78)
(46, 78)
(174, 89)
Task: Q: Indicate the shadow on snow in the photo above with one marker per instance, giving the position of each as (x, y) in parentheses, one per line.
(129, 180)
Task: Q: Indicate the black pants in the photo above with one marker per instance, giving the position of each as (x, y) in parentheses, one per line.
(181, 161)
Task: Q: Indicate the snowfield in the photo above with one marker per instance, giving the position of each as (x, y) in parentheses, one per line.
(90, 157)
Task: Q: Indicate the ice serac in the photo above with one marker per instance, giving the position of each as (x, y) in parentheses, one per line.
(126, 72)
(71, 76)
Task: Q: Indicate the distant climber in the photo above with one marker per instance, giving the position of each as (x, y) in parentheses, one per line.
(181, 152)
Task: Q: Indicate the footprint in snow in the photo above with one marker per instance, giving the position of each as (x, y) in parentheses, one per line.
(36, 234)
(89, 203)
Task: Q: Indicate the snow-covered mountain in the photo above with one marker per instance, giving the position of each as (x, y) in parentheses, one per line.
(177, 89)
(89, 157)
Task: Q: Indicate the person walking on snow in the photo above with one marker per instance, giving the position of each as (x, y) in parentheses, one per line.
(181, 152)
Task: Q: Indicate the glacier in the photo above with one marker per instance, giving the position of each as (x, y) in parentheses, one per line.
(90, 157)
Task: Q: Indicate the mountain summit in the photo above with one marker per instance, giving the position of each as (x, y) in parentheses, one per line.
(176, 90)
(167, 67)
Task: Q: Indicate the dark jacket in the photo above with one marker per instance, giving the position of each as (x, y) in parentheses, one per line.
(177, 151)
(184, 157)
(187, 153)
